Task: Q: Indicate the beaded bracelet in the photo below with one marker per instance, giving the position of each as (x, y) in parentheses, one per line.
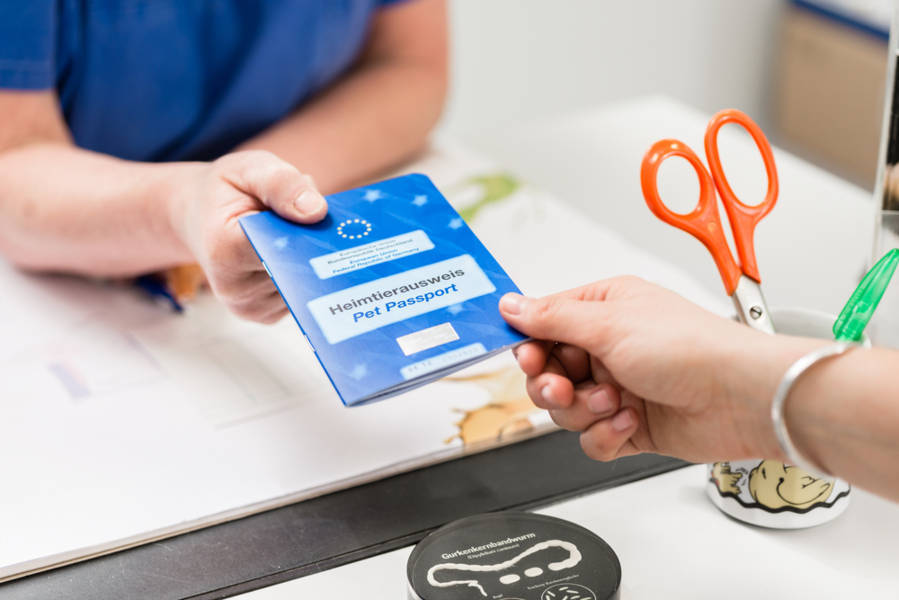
(783, 391)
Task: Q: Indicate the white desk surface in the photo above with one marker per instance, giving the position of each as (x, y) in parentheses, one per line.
(672, 542)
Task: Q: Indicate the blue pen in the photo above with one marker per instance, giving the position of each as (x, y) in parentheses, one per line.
(155, 287)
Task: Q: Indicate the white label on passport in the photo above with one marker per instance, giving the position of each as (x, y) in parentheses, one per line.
(426, 339)
(369, 306)
(374, 253)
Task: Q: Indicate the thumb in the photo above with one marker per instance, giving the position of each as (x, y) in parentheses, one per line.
(278, 185)
(558, 318)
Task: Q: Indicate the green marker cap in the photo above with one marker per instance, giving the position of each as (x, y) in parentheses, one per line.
(864, 300)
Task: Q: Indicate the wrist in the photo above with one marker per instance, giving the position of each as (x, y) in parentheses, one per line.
(760, 362)
(778, 410)
(175, 198)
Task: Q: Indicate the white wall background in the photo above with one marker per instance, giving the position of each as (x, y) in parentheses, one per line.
(517, 60)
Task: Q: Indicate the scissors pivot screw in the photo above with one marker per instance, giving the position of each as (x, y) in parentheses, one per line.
(755, 312)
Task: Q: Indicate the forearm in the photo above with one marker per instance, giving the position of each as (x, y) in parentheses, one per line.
(66, 209)
(370, 121)
(842, 414)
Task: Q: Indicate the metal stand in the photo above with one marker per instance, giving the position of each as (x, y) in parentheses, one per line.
(885, 325)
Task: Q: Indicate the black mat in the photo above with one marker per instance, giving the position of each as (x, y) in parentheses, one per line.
(332, 530)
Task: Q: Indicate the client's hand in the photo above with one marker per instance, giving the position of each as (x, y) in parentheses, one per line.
(211, 198)
(636, 368)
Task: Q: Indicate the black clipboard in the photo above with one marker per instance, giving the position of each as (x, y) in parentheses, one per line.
(339, 528)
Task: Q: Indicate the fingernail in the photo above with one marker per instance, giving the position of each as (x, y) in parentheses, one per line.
(622, 421)
(511, 303)
(310, 202)
(599, 402)
(547, 394)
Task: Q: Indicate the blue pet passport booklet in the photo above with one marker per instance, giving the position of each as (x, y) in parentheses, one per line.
(392, 289)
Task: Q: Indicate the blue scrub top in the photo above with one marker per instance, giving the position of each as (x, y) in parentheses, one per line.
(160, 80)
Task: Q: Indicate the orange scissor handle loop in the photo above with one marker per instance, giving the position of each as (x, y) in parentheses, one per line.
(743, 218)
(702, 222)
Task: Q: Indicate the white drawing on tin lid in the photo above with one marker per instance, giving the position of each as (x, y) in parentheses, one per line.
(567, 591)
(479, 576)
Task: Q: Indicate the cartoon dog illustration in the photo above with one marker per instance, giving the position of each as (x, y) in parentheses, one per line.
(775, 485)
(552, 555)
(772, 485)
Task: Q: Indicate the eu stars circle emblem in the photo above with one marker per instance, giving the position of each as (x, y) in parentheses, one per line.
(353, 229)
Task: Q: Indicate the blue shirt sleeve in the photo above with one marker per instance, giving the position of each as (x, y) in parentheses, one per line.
(27, 44)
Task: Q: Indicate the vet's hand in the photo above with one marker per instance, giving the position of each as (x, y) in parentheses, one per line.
(213, 196)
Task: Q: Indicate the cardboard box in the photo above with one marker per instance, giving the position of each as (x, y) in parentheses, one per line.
(829, 93)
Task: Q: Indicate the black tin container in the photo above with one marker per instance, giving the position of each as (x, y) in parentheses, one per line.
(513, 556)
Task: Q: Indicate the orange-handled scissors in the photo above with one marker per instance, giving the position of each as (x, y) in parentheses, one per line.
(740, 280)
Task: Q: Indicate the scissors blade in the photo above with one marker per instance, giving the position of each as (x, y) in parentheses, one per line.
(751, 306)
